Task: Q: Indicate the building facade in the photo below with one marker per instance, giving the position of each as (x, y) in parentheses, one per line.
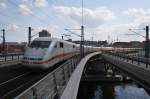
(13, 47)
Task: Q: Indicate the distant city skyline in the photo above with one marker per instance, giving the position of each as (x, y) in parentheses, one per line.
(103, 19)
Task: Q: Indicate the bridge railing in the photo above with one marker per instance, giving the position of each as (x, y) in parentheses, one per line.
(137, 72)
(125, 57)
(11, 57)
(52, 85)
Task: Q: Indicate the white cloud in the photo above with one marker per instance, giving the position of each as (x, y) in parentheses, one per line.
(13, 27)
(3, 5)
(92, 17)
(97, 21)
(137, 12)
(24, 0)
(140, 16)
(24, 9)
(115, 31)
(103, 22)
(40, 3)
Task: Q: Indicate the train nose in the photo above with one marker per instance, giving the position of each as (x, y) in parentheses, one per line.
(33, 55)
(34, 52)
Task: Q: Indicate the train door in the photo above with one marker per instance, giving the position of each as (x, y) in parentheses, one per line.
(55, 53)
(65, 51)
(61, 50)
(56, 49)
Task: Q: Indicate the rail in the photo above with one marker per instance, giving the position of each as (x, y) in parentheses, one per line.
(52, 85)
(11, 57)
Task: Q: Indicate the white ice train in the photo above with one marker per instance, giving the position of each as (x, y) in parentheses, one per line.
(44, 52)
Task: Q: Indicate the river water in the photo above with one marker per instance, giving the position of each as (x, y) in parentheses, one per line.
(109, 90)
(112, 91)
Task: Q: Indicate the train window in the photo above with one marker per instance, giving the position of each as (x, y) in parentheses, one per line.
(73, 46)
(61, 45)
(40, 44)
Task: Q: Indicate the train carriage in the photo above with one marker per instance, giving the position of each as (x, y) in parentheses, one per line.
(44, 52)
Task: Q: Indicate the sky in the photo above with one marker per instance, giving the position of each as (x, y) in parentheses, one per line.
(102, 19)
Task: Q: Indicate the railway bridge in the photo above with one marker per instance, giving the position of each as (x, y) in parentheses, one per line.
(64, 82)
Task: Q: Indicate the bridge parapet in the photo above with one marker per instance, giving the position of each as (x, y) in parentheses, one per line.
(61, 83)
(52, 85)
(139, 73)
(131, 58)
(71, 89)
(10, 57)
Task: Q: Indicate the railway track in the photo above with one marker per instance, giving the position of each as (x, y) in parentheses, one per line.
(10, 72)
(15, 79)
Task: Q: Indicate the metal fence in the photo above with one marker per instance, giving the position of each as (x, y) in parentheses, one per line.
(132, 59)
(52, 85)
(11, 57)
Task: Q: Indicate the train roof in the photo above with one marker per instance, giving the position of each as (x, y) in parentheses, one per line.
(53, 39)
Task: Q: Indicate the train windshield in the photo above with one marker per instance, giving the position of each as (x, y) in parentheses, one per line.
(40, 44)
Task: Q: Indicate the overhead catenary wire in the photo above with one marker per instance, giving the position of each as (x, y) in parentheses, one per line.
(137, 33)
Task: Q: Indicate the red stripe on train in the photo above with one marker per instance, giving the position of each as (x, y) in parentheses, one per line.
(53, 58)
